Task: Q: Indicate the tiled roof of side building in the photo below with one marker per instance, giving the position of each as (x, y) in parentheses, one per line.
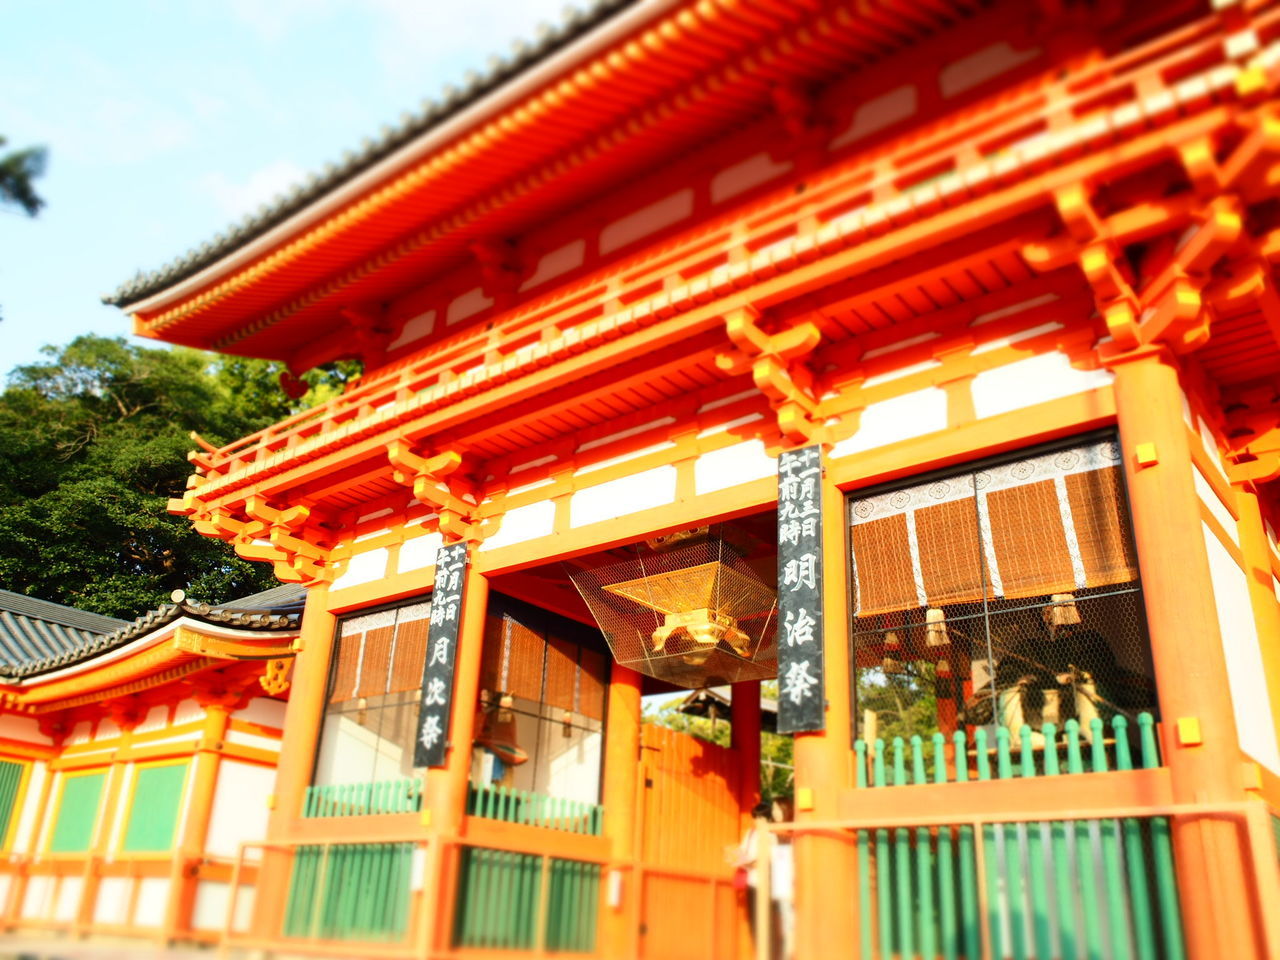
(432, 114)
(278, 613)
(32, 629)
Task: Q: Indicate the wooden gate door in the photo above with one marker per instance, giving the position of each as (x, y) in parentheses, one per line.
(688, 817)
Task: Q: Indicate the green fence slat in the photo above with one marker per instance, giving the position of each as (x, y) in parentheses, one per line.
(925, 934)
(902, 862)
(1144, 935)
(1082, 842)
(995, 928)
(1117, 891)
(1037, 877)
(1063, 879)
(1012, 866)
(970, 919)
(884, 870)
(864, 860)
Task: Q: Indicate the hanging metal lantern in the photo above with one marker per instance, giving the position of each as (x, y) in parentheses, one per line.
(693, 615)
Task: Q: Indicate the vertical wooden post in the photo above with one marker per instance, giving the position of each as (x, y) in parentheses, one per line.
(445, 791)
(195, 830)
(621, 799)
(1190, 667)
(826, 888)
(1266, 609)
(303, 717)
(745, 742)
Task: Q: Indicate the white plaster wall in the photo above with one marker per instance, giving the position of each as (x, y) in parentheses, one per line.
(239, 806)
(116, 837)
(255, 740)
(744, 175)
(157, 718)
(22, 728)
(153, 899)
(419, 552)
(467, 305)
(212, 899)
(558, 261)
(112, 905)
(188, 711)
(1024, 383)
(523, 523)
(898, 418)
(31, 816)
(263, 710)
(414, 329)
(730, 466)
(68, 902)
(646, 220)
(38, 899)
(878, 113)
(364, 568)
(6, 881)
(617, 498)
(1209, 497)
(1246, 674)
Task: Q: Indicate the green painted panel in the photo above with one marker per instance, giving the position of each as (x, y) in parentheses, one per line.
(499, 894)
(10, 781)
(350, 891)
(77, 813)
(157, 798)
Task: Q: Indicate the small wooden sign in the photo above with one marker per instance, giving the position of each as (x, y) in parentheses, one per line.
(801, 690)
(442, 656)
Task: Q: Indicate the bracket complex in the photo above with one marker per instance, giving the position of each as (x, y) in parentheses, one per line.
(437, 483)
(777, 365)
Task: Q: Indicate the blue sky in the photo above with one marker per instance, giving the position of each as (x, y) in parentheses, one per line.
(167, 121)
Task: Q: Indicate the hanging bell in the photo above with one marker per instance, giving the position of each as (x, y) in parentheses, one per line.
(1064, 610)
(935, 628)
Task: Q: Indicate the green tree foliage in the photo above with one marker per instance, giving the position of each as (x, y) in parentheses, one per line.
(18, 168)
(95, 441)
(776, 766)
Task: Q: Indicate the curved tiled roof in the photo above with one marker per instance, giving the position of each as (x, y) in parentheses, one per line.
(281, 616)
(32, 629)
(431, 114)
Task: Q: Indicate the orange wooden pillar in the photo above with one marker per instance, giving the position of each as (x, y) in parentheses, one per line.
(620, 915)
(1266, 609)
(826, 879)
(303, 717)
(445, 789)
(1203, 752)
(195, 831)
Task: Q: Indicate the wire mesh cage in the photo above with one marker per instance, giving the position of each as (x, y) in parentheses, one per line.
(693, 614)
(1002, 598)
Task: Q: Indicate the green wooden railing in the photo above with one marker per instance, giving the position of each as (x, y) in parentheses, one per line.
(501, 901)
(535, 809)
(364, 799)
(1037, 750)
(1052, 888)
(350, 891)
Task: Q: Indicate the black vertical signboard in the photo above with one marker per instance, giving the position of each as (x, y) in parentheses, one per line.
(801, 691)
(442, 655)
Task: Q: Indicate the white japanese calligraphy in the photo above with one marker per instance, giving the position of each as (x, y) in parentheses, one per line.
(799, 627)
(434, 694)
(798, 683)
(431, 731)
(440, 651)
(801, 572)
